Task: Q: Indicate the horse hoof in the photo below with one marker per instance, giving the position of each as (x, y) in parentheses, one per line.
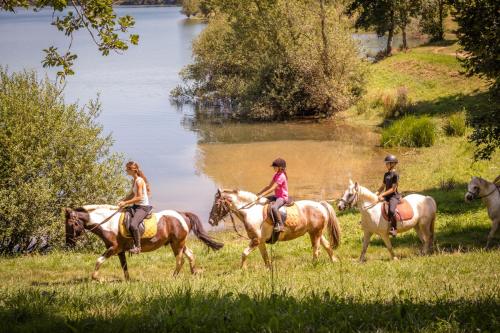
(395, 258)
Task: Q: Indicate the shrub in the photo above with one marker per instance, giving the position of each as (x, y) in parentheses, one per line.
(52, 155)
(395, 104)
(410, 131)
(455, 125)
(275, 61)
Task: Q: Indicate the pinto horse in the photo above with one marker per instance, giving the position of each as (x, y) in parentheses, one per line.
(314, 217)
(172, 229)
(372, 220)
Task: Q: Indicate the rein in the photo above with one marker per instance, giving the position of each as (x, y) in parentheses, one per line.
(355, 200)
(475, 196)
(94, 226)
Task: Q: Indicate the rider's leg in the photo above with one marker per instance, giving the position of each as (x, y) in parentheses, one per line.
(275, 207)
(139, 215)
(393, 203)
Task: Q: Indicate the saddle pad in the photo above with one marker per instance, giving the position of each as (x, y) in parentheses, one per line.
(403, 211)
(150, 227)
(292, 215)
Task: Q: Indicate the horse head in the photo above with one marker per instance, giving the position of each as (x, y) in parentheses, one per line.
(350, 196)
(75, 224)
(221, 206)
(475, 188)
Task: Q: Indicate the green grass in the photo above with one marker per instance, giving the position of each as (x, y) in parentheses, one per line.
(455, 125)
(454, 290)
(410, 131)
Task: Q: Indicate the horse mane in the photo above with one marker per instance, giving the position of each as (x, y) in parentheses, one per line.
(90, 208)
(246, 195)
(366, 191)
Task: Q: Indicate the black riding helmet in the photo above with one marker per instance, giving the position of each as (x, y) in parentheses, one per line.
(391, 159)
(279, 162)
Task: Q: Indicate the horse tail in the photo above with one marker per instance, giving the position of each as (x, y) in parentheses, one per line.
(333, 225)
(199, 231)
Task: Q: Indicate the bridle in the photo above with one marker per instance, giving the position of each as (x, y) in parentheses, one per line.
(354, 201)
(224, 204)
(73, 217)
(475, 195)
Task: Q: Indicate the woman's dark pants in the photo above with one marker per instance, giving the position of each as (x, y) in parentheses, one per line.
(138, 213)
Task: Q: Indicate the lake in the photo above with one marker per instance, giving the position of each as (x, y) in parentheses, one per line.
(185, 159)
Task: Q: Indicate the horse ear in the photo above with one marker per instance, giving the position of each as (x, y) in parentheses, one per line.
(356, 185)
(67, 211)
(350, 182)
(219, 190)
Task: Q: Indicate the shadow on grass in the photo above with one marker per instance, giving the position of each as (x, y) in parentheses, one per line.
(187, 311)
(450, 104)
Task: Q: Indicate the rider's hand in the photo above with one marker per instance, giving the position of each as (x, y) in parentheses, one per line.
(380, 198)
(121, 204)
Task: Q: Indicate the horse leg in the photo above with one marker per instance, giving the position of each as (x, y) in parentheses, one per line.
(246, 252)
(190, 255)
(178, 250)
(366, 241)
(388, 244)
(315, 241)
(109, 252)
(123, 263)
(326, 245)
(494, 228)
(420, 235)
(265, 256)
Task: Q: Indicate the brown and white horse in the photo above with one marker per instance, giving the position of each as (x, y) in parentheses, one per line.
(172, 229)
(314, 217)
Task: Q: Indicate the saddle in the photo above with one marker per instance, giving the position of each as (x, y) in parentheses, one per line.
(147, 227)
(290, 214)
(403, 211)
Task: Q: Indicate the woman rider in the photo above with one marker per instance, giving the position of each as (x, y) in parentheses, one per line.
(279, 184)
(388, 191)
(139, 201)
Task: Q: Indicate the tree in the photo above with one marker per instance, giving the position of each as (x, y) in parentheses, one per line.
(385, 16)
(432, 15)
(52, 156)
(479, 36)
(274, 60)
(190, 7)
(96, 17)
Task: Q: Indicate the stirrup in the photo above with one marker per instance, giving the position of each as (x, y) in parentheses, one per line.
(278, 227)
(393, 232)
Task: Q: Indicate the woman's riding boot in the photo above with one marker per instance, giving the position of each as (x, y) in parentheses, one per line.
(137, 242)
(278, 224)
(394, 225)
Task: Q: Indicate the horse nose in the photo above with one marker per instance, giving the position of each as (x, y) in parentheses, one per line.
(211, 221)
(340, 206)
(468, 197)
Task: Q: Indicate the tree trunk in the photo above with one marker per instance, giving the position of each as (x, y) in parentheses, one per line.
(405, 43)
(440, 34)
(324, 37)
(388, 50)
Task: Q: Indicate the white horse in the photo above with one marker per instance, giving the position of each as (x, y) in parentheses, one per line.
(313, 218)
(372, 221)
(489, 193)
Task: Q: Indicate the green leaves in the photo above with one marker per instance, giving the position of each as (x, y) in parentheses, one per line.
(108, 31)
(53, 155)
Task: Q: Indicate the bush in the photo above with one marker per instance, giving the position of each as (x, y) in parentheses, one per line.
(53, 155)
(275, 61)
(410, 131)
(395, 104)
(455, 125)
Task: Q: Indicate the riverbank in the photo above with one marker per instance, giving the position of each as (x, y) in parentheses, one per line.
(453, 290)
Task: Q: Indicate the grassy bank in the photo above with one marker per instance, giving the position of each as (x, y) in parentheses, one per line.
(454, 290)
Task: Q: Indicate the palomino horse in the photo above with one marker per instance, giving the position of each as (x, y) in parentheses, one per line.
(313, 218)
(372, 221)
(490, 194)
(172, 228)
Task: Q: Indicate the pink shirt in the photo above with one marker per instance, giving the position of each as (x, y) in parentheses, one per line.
(281, 190)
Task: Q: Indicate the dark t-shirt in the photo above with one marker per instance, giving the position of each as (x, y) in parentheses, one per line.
(391, 178)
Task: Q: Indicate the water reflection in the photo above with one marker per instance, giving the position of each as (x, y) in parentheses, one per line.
(321, 156)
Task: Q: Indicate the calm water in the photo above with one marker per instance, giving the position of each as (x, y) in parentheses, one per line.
(186, 160)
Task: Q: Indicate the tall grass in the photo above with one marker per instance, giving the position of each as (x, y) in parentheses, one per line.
(455, 125)
(410, 131)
